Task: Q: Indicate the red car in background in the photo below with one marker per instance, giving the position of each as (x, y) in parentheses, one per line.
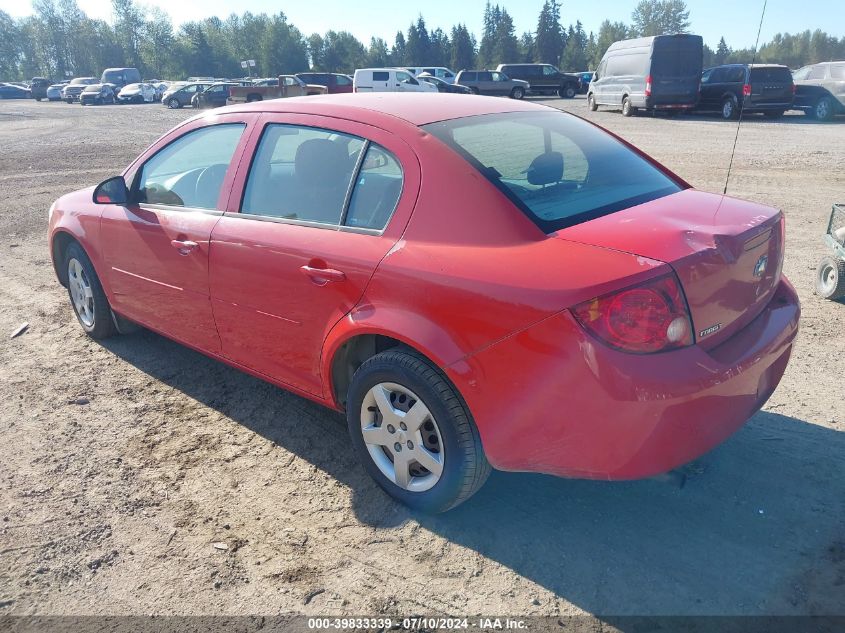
(475, 282)
(336, 83)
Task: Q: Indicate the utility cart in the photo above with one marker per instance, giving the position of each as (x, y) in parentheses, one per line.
(830, 276)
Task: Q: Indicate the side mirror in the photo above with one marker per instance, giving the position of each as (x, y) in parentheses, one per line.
(112, 191)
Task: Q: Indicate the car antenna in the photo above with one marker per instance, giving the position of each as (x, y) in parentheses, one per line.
(742, 109)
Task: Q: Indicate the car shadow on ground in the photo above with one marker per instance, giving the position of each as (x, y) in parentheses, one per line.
(757, 529)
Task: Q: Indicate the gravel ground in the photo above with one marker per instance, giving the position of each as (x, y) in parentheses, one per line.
(124, 463)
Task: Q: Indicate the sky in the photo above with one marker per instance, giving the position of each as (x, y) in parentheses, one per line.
(736, 20)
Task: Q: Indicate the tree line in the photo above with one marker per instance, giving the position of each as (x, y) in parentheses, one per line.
(60, 40)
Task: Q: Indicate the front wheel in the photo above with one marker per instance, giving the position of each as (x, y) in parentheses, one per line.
(830, 278)
(413, 432)
(174, 104)
(474, 90)
(86, 294)
(591, 102)
(517, 93)
(627, 108)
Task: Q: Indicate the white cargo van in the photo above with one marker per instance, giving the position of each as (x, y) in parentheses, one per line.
(388, 80)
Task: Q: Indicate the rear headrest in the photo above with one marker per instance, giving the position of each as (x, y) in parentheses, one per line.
(320, 161)
(546, 169)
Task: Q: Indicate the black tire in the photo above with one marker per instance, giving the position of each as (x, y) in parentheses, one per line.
(773, 114)
(517, 93)
(465, 468)
(38, 98)
(68, 100)
(830, 278)
(730, 110)
(101, 325)
(824, 109)
(474, 90)
(253, 98)
(591, 102)
(174, 103)
(627, 108)
(567, 92)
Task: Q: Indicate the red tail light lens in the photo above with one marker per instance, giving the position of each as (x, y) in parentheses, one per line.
(746, 90)
(794, 88)
(648, 86)
(643, 319)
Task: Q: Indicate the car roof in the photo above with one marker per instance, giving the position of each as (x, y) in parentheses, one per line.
(415, 108)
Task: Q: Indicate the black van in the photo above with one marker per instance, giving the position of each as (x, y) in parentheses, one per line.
(544, 79)
(120, 77)
(766, 88)
(652, 73)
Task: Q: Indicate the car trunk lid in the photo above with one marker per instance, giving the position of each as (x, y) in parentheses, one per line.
(771, 85)
(727, 253)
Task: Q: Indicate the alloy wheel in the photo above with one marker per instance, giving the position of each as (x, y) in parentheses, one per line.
(823, 110)
(728, 109)
(402, 437)
(82, 295)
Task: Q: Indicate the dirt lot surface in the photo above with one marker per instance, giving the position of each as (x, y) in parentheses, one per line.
(123, 464)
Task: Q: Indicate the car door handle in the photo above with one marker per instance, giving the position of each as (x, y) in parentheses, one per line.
(321, 276)
(185, 247)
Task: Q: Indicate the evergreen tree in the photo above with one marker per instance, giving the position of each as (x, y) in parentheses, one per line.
(399, 53)
(378, 54)
(463, 49)
(549, 39)
(660, 17)
(609, 32)
(722, 53)
(418, 44)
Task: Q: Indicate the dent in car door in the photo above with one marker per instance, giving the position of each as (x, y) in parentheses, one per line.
(156, 249)
(279, 284)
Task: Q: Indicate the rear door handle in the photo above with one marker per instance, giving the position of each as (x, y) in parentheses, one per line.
(321, 276)
(185, 247)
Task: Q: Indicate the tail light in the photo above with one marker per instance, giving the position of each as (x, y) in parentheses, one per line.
(648, 86)
(794, 88)
(643, 319)
(746, 90)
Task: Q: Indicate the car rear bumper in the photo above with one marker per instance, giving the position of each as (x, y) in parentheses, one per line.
(552, 399)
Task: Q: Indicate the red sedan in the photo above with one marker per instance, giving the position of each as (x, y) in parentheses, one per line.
(475, 282)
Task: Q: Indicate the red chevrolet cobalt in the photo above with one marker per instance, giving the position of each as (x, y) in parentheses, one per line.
(476, 282)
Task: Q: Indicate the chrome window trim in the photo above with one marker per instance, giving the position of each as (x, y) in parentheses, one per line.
(149, 206)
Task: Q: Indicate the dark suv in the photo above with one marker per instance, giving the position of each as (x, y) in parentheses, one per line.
(335, 83)
(544, 79)
(766, 88)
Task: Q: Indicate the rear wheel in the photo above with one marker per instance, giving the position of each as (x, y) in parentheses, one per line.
(517, 93)
(174, 103)
(823, 110)
(86, 294)
(474, 90)
(627, 108)
(413, 432)
(68, 100)
(567, 92)
(591, 102)
(729, 109)
(830, 278)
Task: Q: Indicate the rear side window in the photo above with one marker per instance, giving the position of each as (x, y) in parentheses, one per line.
(189, 172)
(343, 80)
(485, 76)
(558, 169)
(837, 71)
(301, 173)
(771, 75)
(381, 76)
(377, 190)
(817, 72)
(635, 63)
(468, 76)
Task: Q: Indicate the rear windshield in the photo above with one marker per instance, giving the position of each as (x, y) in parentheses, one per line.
(779, 75)
(676, 58)
(558, 169)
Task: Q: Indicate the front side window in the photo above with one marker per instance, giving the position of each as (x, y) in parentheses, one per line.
(189, 172)
(301, 173)
(343, 80)
(549, 70)
(558, 169)
(802, 73)
(377, 190)
(405, 78)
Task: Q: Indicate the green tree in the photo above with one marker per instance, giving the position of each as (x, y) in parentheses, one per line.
(129, 25)
(722, 53)
(378, 54)
(283, 49)
(549, 39)
(418, 47)
(660, 17)
(609, 32)
(463, 48)
(526, 48)
(10, 47)
(440, 49)
(574, 56)
(399, 53)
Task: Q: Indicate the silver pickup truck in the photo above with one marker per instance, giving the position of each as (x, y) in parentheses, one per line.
(820, 90)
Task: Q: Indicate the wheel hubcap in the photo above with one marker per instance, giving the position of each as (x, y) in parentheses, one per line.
(822, 109)
(82, 296)
(828, 279)
(402, 437)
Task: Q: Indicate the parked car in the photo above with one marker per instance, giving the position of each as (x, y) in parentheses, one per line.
(441, 72)
(120, 77)
(286, 86)
(442, 86)
(137, 93)
(10, 91)
(732, 88)
(54, 92)
(820, 90)
(630, 350)
(492, 82)
(649, 73)
(543, 79)
(38, 87)
(160, 88)
(180, 95)
(584, 79)
(71, 92)
(97, 94)
(388, 80)
(335, 83)
(215, 95)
